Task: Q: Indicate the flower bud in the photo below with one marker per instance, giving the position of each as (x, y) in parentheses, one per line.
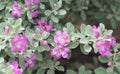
(109, 63)
(6, 30)
(44, 42)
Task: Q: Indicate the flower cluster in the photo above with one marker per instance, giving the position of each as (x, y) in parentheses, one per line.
(15, 67)
(44, 26)
(104, 45)
(16, 9)
(62, 39)
(19, 43)
(31, 2)
(30, 60)
(59, 51)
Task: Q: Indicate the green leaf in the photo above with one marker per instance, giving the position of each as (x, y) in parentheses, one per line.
(60, 68)
(29, 71)
(47, 48)
(29, 16)
(100, 70)
(62, 12)
(45, 35)
(103, 59)
(113, 23)
(9, 53)
(41, 49)
(70, 27)
(117, 69)
(82, 70)
(42, 6)
(117, 17)
(1, 59)
(48, 12)
(18, 23)
(83, 28)
(73, 45)
(70, 72)
(2, 6)
(41, 71)
(110, 70)
(102, 27)
(57, 63)
(50, 41)
(83, 51)
(50, 72)
(109, 16)
(28, 34)
(39, 56)
(87, 48)
(59, 4)
(21, 62)
(113, 8)
(54, 19)
(88, 31)
(50, 64)
(83, 15)
(98, 15)
(2, 46)
(52, 3)
(95, 48)
(96, 3)
(108, 32)
(83, 40)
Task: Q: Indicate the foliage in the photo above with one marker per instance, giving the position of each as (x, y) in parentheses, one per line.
(37, 34)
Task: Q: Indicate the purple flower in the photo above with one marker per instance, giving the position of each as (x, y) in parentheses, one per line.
(44, 26)
(19, 43)
(59, 51)
(61, 38)
(104, 47)
(35, 13)
(31, 2)
(16, 10)
(30, 60)
(15, 67)
(95, 31)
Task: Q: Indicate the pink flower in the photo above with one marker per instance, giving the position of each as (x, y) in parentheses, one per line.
(109, 63)
(15, 67)
(104, 47)
(59, 51)
(61, 38)
(30, 60)
(95, 31)
(31, 2)
(6, 30)
(35, 13)
(44, 26)
(19, 43)
(16, 10)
